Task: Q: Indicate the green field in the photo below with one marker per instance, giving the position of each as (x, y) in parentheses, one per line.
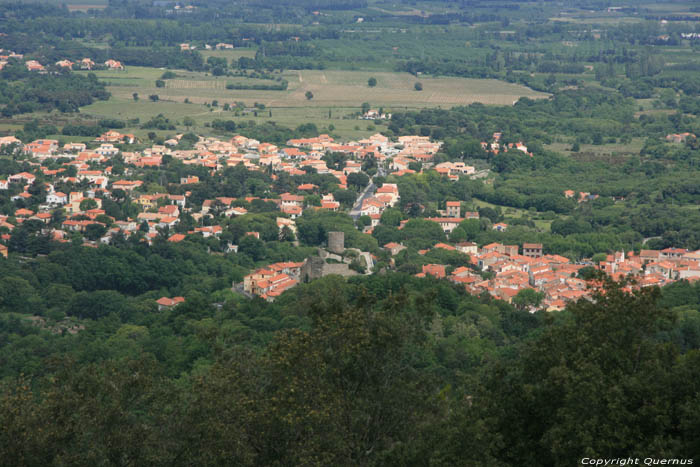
(543, 225)
(336, 96)
(600, 150)
(329, 88)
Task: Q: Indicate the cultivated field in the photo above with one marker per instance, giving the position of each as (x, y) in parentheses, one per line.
(329, 88)
(337, 96)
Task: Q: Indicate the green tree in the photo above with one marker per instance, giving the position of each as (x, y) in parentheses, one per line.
(458, 234)
(391, 217)
(95, 231)
(372, 82)
(87, 204)
(364, 221)
(471, 227)
(189, 122)
(527, 299)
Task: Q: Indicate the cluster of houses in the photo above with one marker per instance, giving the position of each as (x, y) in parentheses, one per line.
(91, 170)
(514, 268)
(496, 146)
(220, 46)
(415, 151)
(450, 217)
(34, 65)
(373, 114)
(270, 281)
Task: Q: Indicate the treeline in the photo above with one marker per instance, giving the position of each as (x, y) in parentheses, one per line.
(281, 62)
(281, 86)
(141, 32)
(101, 126)
(267, 131)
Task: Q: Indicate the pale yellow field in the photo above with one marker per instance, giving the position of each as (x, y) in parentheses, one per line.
(329, 88)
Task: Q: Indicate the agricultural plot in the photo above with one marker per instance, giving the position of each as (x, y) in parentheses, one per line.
(397, 89)
(329, 89)
(337, 95)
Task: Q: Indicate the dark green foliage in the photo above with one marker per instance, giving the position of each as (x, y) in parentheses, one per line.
(375, 370)
(22, 91)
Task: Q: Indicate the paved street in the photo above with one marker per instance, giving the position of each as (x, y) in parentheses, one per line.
(366, 193)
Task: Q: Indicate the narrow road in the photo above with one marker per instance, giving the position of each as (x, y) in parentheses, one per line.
(366, 193)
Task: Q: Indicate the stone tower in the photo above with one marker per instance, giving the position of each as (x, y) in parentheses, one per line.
(336, 242)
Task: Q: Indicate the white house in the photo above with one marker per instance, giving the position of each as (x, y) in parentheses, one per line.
(57, 198)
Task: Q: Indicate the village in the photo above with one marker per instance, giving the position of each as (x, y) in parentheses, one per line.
(501, 271)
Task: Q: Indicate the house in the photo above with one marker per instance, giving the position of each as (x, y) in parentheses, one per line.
(115, 137)
(5, 140)
(107, 150)
(435, 270)
(24, 212)
(57, 198)
(77, 147)
(127, 185)
(175, 238)
(330, 205)
(86, 64)
(114, 65)
(453, 209)
(448, 224)
(391, 190)
(289, 200)
(3, 250)
(189, 180)
(679, 138)
(22, 177)
(532, 250)
(501, 227)
(292, 210)
(394, 248)
(165, 303)
(373, 114)
(468, 248)
(33, 65)
(170, 210)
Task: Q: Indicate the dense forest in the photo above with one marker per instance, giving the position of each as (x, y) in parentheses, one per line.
(378, 370)
(22, 91)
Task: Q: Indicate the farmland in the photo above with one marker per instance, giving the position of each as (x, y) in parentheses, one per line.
(336, 95)
(329, 88)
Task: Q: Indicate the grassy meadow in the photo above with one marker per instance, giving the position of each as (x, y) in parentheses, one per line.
(337, 96)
